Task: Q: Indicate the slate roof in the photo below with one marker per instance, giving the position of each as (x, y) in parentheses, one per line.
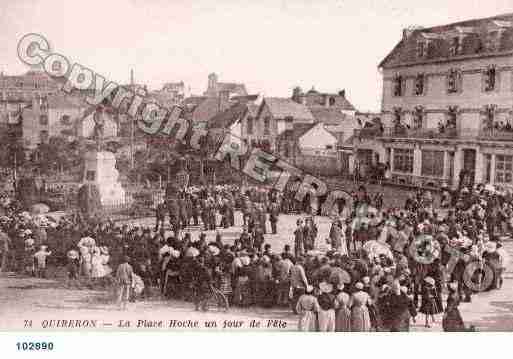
(231, 87)
(330, 116)
(281, 108)
(319, 99)
(296, 132)
(228, 117)
(474, 41)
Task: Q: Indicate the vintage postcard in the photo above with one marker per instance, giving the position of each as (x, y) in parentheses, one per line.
(330, 166)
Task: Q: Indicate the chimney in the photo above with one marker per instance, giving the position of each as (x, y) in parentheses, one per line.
(407, 33)
(297, 93)
(342, 93)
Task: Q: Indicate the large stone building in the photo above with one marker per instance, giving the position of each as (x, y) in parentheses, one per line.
(60, 116)
(448, 103)
(26, 87)
(216, 88)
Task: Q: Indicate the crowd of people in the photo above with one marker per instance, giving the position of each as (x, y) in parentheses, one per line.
(365, 275)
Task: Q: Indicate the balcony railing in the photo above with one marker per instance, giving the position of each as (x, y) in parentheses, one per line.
(402, 132)
(461, 134)
(495, 135)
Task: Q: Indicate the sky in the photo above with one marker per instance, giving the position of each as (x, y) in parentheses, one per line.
(269, 45)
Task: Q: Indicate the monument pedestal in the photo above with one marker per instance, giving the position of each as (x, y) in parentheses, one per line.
(100, 170)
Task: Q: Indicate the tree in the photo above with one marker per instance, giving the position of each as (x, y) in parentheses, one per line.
(58, 155)
(89, 200)
(10, 140)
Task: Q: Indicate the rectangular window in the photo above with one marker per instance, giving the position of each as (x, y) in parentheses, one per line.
(419, 84)
(398, 86)
(403, 160)
(454, 80)
(490, 79)
(43, 136)
(432, 163)
(421, 49)
(267, 126)
(503, 169)
(43, 120)
(455, 46)
(488, 167)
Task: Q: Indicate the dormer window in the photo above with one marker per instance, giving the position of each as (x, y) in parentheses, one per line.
(420, 81)
(398, 86)
(454, 81)
(422, 49)
(455, 48)
(493, 40)
(490, 79)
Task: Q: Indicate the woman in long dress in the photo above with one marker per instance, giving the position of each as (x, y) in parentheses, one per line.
(97, 268)
(429, 303)
(452, 320)
(343, 313)
(360, 319)
(326, 315)
(307, 307)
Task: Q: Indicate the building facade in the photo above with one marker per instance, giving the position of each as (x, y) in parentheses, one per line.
(447, 104)
(277, 114)
(26, 87)
(215, 88)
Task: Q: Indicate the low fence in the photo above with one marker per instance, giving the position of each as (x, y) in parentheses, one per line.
(135, 202)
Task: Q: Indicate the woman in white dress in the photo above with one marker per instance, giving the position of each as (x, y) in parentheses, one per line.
(342, 306)
(97, 268)
(307, 307)
(360, 318)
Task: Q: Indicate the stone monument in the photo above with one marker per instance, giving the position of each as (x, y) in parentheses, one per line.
(100, 169)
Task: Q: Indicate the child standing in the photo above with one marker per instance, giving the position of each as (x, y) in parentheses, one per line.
(40, 258)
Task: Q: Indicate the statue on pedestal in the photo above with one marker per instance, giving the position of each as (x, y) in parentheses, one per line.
(100, 171)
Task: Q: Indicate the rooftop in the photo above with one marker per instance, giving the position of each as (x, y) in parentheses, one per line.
(476, 40)
(285, 107)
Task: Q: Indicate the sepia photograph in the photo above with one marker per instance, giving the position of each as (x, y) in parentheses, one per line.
(270, 166)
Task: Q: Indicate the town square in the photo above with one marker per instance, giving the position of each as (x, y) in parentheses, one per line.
(234, 206)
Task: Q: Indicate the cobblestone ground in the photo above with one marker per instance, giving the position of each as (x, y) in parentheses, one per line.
(38, 300)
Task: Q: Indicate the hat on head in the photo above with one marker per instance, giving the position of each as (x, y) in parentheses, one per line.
(326, 287)
(453, 285)
(429, 280)
(359, 285)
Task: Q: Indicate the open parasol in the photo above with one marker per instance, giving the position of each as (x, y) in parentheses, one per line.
(375, 249)
(39, 208)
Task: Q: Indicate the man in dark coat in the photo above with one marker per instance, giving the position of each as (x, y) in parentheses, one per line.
(274, 212)
(201, 284)
(161, 216)
(400, 309)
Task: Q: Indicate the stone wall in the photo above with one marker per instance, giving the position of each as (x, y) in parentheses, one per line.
(320, 165)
